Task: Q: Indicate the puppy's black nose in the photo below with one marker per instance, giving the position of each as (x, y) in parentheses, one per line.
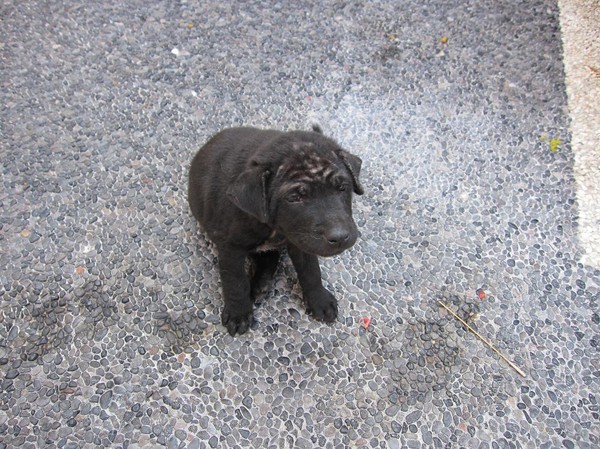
(337, 236)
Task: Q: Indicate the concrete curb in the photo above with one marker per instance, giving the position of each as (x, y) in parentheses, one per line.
(579, 21)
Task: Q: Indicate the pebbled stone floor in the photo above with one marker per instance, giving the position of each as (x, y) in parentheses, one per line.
(109, 296)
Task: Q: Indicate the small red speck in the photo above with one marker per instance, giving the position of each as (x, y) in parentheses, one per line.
(482, 295)
(364, 322)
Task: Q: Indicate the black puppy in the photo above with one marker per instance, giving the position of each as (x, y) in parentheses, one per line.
(257, 191)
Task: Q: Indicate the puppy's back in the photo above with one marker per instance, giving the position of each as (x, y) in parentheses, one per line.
(218, 163)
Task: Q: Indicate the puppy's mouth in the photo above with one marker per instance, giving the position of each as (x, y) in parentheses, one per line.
(318, 245)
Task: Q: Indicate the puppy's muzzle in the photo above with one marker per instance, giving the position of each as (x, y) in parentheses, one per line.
(332, 240)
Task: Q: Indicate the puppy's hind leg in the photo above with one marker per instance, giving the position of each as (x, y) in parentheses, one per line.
(264, 265)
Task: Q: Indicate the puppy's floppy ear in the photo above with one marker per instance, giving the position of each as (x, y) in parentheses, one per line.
(353, 164)
(249, 192)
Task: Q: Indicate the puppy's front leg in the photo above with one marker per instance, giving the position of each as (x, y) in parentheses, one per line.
(319, 301)
(237, 313)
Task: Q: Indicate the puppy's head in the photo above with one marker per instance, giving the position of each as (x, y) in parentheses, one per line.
(302, 187)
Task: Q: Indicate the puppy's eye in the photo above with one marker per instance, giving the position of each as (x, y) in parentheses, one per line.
(294, 197)
(342, 187)
(297, 195)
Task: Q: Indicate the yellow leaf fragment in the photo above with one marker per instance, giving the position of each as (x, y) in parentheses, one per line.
(553, 143)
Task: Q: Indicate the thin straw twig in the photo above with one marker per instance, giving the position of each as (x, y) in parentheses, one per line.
(491, 346)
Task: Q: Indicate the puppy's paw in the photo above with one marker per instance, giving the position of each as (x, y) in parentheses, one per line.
(259, 286)
(322, 305)
(236, 322)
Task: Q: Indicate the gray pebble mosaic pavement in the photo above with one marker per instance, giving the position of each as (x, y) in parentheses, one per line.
(109, 297)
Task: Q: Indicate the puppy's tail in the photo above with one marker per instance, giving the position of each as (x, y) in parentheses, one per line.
(316, 128)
